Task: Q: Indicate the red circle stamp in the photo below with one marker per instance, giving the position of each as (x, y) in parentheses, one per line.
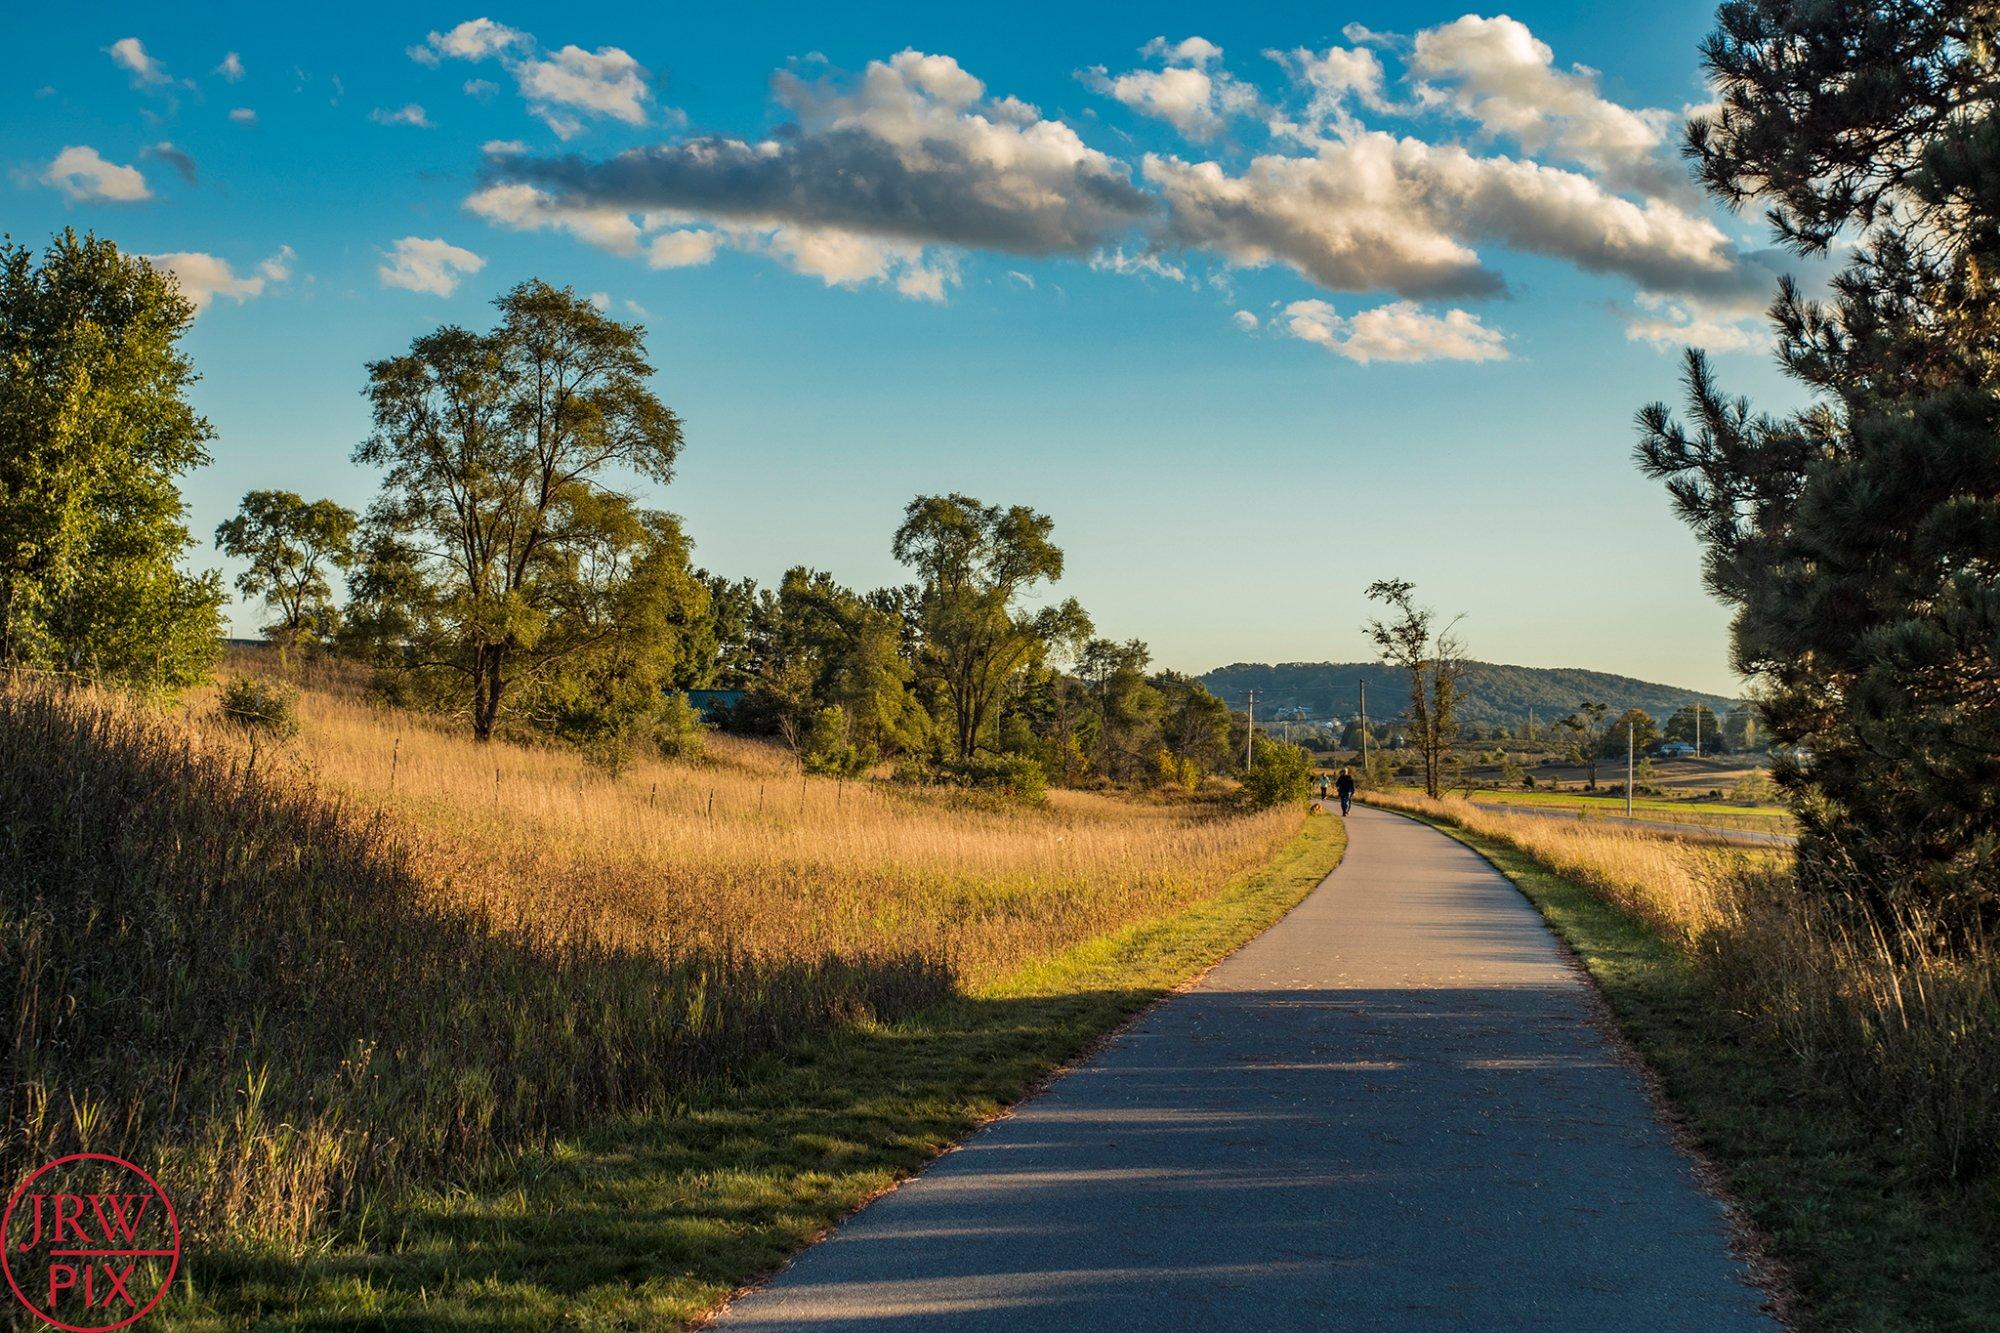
(90, 1242)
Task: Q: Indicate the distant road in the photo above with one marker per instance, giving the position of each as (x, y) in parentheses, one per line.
(1692, 832)
(1394, 1110)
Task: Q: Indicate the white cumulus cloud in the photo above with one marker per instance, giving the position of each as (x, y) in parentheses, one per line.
(474, 39)
(203, 277)
(522, 207)
(1187, 51)
(682, 249)
(562, 87)
(231, 67)
(411, 114)
(1185, 94)
(1669, 325)
(427, 264)
(1335, 81)
(129, 54)
(1401, 331)
(606, 82)
(1377, 212)
(1498, 73)
(85, 177)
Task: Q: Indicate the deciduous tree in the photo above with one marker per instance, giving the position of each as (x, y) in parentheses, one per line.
(973, 561)
(95, 433)
(1434, 657)
(500, 451)
(1583, 735)
(290, 545)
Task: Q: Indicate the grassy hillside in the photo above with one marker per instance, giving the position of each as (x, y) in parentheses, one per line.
(386, 956)
(1495, 694)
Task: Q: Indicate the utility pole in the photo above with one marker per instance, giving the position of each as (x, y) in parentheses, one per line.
(1250, 736)
(1364, 726)
(1697, 730)
(1631, 745)
(1531, 724)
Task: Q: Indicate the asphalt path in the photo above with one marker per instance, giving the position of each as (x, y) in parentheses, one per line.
(1397, 1108)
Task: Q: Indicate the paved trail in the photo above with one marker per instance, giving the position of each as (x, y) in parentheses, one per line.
(1389, 1111)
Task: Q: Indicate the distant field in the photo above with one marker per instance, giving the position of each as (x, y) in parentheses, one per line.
(1714, 814)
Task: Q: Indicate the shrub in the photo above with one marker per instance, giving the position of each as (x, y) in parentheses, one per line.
(827, 748)
(1015, 774)
(678, 730)
(1278, 773)
(264, 712)
(1753, 789)
(1177, 771)
(260, 708)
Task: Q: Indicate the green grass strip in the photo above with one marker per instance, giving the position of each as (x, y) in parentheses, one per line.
(1868, 1245)
(653, 1222)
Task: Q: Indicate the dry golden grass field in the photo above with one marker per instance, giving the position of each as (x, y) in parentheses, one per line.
(384, 954)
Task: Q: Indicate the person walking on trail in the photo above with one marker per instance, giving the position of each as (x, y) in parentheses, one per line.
(1344, 784)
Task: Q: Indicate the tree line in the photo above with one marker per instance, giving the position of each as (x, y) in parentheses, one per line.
(506, 575)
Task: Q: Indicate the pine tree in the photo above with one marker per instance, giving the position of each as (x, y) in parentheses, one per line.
(1859, 538)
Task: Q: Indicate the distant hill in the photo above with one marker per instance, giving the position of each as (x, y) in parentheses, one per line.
(1495, 694)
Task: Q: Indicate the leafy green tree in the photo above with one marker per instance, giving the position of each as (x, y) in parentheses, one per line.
(721, 654)
(1635, 725)
(972, 562)
(1194, 727)
(1126, 705)
(824, 659)
(1739, 730)
(630, 596)
(290, 545)
(1697, 721)
(95, 433)
(678, 731)
(1278, 773)
(1434, 657)
(1859, 537)
(1054, 705)
(829, 746)
(499, 453)
(1582, 736)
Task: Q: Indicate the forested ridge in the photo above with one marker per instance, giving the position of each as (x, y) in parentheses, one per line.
(1495, 694)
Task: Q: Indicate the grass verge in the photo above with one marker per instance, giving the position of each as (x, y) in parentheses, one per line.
(655, 1221)
(1866, 1240)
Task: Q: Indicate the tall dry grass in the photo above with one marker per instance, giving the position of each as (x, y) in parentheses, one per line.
(386, 954)
(1908, 1031)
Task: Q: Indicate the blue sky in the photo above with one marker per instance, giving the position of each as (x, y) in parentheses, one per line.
(1259, 302)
